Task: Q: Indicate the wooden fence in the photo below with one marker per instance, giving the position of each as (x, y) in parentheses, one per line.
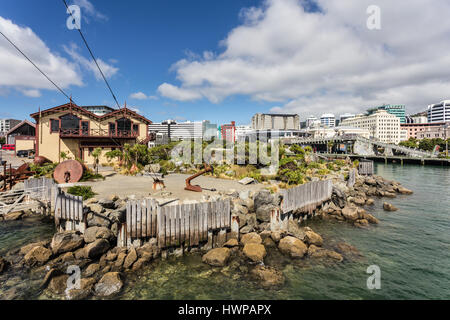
(36, 195)
(301, 199)
(69, 212)
(307, 197)
(41, 188)
(180, 225)
(365, 167)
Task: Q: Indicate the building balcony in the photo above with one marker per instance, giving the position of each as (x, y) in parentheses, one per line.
(97, 133)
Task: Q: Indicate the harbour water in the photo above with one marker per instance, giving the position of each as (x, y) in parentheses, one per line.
(411, 247)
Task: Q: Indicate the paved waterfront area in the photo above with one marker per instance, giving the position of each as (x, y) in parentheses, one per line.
(142, 186)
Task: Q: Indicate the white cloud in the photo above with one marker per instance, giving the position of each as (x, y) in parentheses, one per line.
(108, 69)
(31, 93)
(328, 61)
(173, 92)
(88, 8)
(142, 96)
(16, 72)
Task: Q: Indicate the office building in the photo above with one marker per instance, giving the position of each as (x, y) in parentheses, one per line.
(397, 110)
(328, 120)
(7, 124)
(183, 130)
(442, 132)
(382, 125)
(312, 121)
(262, 121)
(439, 112)
(413, 129)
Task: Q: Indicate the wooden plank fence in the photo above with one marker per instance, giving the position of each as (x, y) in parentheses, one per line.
(307, 197)
(300, 199)
(365, 167)
(180, 225)
(69, 212)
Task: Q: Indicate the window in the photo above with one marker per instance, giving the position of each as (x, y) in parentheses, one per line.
(54, 125)
(136, 128)
(112, 128)
(70, 122)
(123, 125)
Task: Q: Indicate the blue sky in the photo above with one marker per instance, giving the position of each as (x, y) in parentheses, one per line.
(144, 38)
(226, 60)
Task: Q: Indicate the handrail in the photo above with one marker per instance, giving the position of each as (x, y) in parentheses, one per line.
(98, 133)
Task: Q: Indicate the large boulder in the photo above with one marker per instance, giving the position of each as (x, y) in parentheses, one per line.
(350, 213)
(312, 238)
(252, 237)
(98, 220)
(66, 241)
(107, 203)
(293, 247)
(3, 265)
(316, 252)
(130, 259)
(389, 207)
(262, 198)
(96, 248)
(217, 257)
(295, 230)
(58, 284)
(86, 288)
(268, 277)
(38, 256)
(255, 252)
(25, 249)
(109, 284)
(92, 269)
(93, 233)
(403, 190)
(263, 212)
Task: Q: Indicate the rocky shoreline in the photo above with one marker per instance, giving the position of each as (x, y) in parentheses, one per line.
(256, 255)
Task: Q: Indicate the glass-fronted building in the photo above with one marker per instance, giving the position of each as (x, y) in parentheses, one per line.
(397, 110)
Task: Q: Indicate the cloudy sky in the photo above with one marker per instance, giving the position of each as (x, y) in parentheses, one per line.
(226, 60)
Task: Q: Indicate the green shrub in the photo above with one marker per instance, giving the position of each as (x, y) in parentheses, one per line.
(82, 191)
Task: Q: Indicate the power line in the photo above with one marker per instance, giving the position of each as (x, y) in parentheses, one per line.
(92, 55)
(17, 48)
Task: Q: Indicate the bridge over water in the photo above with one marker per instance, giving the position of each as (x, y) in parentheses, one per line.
(361, 146)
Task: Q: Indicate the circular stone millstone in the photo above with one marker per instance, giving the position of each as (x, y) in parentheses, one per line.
(72, 167)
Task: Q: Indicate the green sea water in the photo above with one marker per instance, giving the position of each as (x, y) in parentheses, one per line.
(411, 247)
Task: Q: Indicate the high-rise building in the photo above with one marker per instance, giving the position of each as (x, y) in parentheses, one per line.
(397, 110)
(439, 112)
(228, 131)
(382, 125)
(184, 130)
(312, 121)
(328, 120)
(262, 121)
(7, 124)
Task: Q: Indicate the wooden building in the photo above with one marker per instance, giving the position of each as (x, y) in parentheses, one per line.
(77, 132)
(23, 135)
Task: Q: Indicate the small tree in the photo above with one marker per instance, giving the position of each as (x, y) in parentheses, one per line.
(96, 155)
(63, 156)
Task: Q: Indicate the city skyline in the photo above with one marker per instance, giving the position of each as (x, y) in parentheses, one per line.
(172, 69)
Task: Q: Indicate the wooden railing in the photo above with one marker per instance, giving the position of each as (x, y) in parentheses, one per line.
(74, 133)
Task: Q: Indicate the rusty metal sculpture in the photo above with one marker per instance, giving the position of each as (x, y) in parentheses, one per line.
(40, 160)
(12, 176)
(197, 188)
(69, 171)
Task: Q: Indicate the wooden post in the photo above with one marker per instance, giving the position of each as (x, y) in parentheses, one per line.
(234, 227)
